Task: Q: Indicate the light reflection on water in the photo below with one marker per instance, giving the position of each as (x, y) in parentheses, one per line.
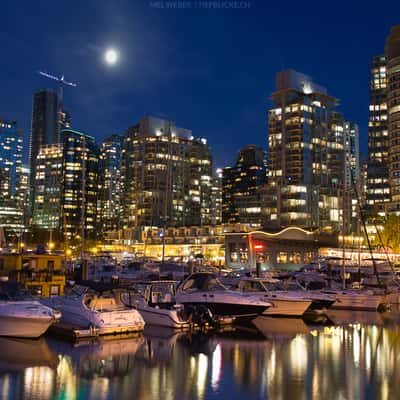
(288, 360)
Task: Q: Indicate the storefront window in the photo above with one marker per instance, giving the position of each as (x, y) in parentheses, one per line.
(308, 257)
(295, 258)
(282, 257)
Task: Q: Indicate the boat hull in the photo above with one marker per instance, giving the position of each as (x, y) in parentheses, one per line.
(161, 317)
(76, 316)
(357, 302)
(23, 327)
(230, 309)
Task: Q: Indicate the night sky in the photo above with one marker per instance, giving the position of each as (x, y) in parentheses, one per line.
(210, 70)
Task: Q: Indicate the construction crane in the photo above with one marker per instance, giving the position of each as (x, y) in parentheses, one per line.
(60, 80)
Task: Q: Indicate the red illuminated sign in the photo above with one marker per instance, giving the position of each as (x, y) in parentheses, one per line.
(259, 246)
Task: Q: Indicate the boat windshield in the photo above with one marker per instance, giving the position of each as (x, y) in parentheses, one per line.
(252, 286)
(78, 290)
(161, 293)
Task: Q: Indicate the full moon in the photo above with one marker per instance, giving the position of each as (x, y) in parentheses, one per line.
(111, 56)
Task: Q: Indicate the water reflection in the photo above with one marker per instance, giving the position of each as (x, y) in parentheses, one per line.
(281, 359)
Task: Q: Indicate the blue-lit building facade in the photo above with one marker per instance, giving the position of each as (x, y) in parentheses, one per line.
(11, 204)
(109, 204)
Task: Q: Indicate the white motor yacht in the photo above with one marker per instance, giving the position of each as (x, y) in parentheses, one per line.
(359, 300)
(21, 315)
(95, 307)
(156, 303)
(204, 289)
(25, 319)
(283, 302)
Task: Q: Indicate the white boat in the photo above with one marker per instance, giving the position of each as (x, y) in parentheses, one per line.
(25, 319)
(360, 300)
(156, 303)
(204, 289)
(86, 308)
(283, 303)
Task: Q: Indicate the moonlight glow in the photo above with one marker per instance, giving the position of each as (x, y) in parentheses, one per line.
(111, 56)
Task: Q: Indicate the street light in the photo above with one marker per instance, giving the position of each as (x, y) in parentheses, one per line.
(51, 246)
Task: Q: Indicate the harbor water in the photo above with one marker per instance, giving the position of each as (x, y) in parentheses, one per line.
(270, 359)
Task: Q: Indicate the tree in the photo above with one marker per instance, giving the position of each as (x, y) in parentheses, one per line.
(390, 235)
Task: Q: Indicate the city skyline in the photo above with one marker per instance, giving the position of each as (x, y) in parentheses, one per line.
(230, 86)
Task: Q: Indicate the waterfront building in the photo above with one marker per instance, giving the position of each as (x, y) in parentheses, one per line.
(352, 192)
(23, 192)
(378, 188)
(79, 185)
(48, 180)
(241, 201)
(109, 204)
(392, 55)
(48, 120)
(180, 243)
(216, 197)
(11, 204)
(166, 176)
(305, 156)
(289, 248)
(41, 274)
(383, 181)
(352, 152)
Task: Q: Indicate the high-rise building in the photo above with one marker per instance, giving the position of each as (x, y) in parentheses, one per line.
(241, 200)
(199, 183)
(109, 204)
(378, 188)
(79, 185)
(216, 198)
(11, 209)
(166, 175)
(47, 208)
(48, 120)
(305, 157)
(383, 177)
(352, 151)
(23, 191)
(392, 54)
(353, 179)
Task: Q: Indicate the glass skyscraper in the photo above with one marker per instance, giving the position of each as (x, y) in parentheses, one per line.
(109, 204)
(11, 207)
(305, 157)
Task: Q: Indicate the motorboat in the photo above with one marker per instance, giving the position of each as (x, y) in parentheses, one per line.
(156, 303)
(204, 289)
(359, 300)
(23, 318)
(283, 302)
(99, 307)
